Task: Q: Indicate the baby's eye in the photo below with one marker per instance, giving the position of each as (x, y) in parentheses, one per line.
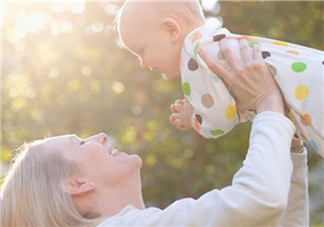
(82, 142)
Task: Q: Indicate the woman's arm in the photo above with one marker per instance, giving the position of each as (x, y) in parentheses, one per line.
(259, 192)
(257, 197)
(297, 212)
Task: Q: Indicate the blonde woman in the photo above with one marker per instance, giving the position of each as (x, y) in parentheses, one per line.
(68, 181)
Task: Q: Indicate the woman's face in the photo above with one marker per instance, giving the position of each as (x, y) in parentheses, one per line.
(97, 160)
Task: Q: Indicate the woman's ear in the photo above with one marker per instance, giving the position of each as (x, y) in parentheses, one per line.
(77, 186)
(172, 27)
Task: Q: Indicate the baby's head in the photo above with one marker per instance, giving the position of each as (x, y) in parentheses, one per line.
(154, 31)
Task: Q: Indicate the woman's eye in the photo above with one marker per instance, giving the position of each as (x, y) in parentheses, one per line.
(82, 142)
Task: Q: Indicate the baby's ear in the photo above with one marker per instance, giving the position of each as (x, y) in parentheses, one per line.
(172, 27)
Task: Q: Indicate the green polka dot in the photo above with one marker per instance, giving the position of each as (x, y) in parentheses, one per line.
(217, 132)
(251, 44)
(186, 88)
(298, 67)
(195, 49)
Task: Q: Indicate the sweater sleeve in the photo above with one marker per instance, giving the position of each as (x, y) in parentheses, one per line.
(257, 197)
(297, 212)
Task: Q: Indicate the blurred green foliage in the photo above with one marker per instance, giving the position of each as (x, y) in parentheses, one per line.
(64, 72)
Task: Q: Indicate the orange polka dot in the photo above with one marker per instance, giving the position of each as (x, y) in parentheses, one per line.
(245, 37)
(196, 37)
(307, 118)
(279, 43)
(196, 125)
(303, 137)
(292, 52)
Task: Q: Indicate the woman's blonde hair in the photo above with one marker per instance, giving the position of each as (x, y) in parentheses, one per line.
(31, 194)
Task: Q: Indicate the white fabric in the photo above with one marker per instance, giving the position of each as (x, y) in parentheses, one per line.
(257, 197)
(297, 212)
(298, 71)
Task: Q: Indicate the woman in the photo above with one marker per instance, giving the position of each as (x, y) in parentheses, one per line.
(67, 181)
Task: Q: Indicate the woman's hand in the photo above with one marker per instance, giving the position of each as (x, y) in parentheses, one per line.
(253, 86)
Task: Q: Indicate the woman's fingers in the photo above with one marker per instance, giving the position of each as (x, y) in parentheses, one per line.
(228, 51)
(214, 66)
(257, 53)
(246, 51)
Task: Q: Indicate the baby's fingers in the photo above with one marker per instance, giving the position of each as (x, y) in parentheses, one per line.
(179, 102)
(179, 124)
(173, 109)
(172, 118)
(176, 107)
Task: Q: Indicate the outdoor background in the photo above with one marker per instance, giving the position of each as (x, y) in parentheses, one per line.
(63, 71)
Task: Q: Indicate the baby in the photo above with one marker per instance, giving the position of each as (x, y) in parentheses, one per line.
(165, 36)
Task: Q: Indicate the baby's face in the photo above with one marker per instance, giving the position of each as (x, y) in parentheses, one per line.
(152, 45)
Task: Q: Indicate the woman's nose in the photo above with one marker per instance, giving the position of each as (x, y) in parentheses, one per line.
(101, 138)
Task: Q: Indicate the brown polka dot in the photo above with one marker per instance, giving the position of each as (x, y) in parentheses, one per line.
(192, 64)
(196, 37)
(218, 37)
(220, 55)
(265, 54)
(199, 118)
(207, 100)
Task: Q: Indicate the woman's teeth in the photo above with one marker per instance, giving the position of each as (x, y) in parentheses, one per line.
(114, 152)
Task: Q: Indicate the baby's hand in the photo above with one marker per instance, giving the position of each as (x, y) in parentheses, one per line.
(181, 114)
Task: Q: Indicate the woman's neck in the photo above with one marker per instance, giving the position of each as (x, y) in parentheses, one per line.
(112, 200)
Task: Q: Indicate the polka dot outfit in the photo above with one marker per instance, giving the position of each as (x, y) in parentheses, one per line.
(298, 70)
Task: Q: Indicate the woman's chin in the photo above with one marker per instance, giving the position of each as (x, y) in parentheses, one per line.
(137, 160)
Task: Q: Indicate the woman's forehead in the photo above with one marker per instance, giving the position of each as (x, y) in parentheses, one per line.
(60, 140)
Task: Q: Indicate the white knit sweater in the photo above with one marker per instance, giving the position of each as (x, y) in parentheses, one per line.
(258, 195)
